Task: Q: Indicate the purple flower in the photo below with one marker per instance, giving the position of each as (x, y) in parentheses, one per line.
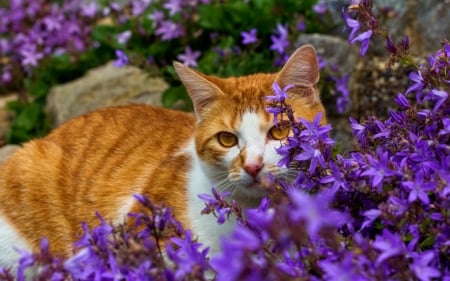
(315, 132)
(418, 82)
(421, 266)
(401, 100)
(249, 37)
(189, 57)
(438, 96)
(279, 94)
(446, 126)
(364, 38)
(187, 255)
(157, 17)
(320, 8)
(89, 9)
(378, 169)
(390, 45)
(169, 30)
(122, 59)
(174, 6)
(371, 216)
(52, 23)
(341, 270)
(354, 25)
(336, 177)
(389, 244)
(6, 76)
(261, 216)
(216, 204)
(26, 261)
(301, 26)
(359, 131)
(123, 37)
(315, 211)
(341, 86)
(30, 57)
(228, 263)
(312, 154)
(418, 188)
(139, 6)
(280, 42)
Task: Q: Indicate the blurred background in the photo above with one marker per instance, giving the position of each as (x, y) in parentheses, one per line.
(60, 59)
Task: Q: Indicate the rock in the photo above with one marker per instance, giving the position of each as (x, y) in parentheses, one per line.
(5, 117)
(434, 24)
(374, 87)
(334, 49)
(7, 150)
(424, 21)
(104, 86)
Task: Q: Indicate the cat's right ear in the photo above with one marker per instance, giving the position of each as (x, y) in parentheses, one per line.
(302, 71)
(200, 89)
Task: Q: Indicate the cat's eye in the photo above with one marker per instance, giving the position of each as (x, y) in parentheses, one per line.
(227, 139)
(279, 132)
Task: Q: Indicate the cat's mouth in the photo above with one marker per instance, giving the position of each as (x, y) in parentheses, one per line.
(260, 184)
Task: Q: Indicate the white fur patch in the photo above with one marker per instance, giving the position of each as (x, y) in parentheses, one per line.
(10, 240)
(204, 227)
(124, 209)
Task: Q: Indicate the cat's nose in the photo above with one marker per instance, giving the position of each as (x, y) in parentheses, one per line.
(253, 169)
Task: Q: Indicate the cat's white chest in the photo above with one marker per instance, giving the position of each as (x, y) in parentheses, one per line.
(204, 227)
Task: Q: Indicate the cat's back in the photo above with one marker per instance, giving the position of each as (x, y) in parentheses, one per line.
(94, 162)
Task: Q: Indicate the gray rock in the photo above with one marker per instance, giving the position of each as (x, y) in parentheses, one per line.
(5, 116)
(334, 49)
(424, 21)
(434, 24)
(6, 151)
(104, 86)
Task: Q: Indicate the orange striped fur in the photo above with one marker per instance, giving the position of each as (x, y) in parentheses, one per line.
(95, 162)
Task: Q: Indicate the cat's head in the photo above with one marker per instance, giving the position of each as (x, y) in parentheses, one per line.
(235, 138)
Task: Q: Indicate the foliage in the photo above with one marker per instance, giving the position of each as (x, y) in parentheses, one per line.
(43, 43)
(59, 41)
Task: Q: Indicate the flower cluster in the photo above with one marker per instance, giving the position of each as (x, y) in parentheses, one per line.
(380, 212)
(122, 252)
(33, 30)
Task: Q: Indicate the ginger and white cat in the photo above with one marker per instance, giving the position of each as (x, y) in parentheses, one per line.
(97, 161)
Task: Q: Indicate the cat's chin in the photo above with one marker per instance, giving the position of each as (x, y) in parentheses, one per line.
(250, 194)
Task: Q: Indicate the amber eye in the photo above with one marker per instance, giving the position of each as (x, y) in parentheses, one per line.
(227, 139)
(279, 132)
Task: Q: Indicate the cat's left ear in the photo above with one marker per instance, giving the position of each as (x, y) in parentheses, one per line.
(302, 71)
(201, 90)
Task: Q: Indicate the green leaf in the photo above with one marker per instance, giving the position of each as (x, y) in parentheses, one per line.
(427, 243)
(211, 17)
(28, 118)
(173, 95)
(105, 33)
(37, 88)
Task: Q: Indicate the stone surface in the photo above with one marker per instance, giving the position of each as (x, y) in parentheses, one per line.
(424, 21)
(6, 151)
(334, 49)
(5, 117)
(104, 86)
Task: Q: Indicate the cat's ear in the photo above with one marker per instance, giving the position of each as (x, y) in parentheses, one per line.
(302, 71)
(200, 89)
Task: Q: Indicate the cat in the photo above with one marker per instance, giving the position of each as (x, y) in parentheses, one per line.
(97, 161)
